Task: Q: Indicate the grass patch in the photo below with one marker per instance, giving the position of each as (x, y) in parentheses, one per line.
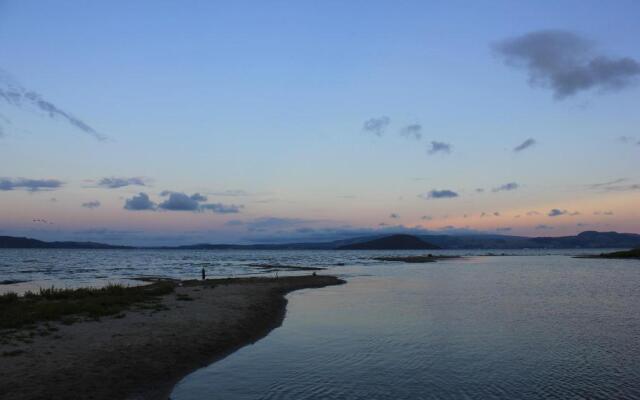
(183, 297)
(12, 353)
(70, 305)
(7, 298)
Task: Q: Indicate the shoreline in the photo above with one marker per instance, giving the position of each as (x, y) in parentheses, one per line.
(144, 353)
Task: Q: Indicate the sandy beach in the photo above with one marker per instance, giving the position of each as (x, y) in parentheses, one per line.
(144, 353)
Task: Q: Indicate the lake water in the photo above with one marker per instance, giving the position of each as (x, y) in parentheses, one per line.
(29, 269)
(530, 325)
(521, 327)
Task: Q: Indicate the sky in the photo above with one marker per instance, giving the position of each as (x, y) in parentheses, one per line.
(164, 122)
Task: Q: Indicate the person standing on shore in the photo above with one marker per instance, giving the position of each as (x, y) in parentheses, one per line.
(203, 273)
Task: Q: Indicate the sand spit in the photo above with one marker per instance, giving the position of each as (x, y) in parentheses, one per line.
(416, 259)
(144, 353)
(628, 254)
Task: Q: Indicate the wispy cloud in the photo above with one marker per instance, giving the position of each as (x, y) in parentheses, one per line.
(506, 187)
(32, 185)
(525, 145)
(543, 227)
(556, 212)
(220, 208)
(439, 194)
(624, 188)
(629, 140)
(566, 62)
(616, 185)
(605, 213)
(606, 184)
(413, 131)
(115, 182)
(377, 125)
(231, 193)
(17, 96)
(439, 147)
(91, 204)
(41, 221)
(278, 224)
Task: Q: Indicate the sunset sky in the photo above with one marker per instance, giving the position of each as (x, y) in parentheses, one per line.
(165, 122)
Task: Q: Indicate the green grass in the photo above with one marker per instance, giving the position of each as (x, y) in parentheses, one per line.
(71, 305)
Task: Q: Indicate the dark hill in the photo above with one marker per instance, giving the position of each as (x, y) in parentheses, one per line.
(10, 242)
(584, 240)
(394, 242)
(590, 239)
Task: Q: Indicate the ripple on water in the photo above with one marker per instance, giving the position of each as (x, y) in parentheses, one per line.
(490, 328)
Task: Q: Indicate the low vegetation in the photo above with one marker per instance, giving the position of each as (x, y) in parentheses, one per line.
(635, 253)
(70, 305)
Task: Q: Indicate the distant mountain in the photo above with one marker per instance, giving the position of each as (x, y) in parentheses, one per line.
(393, 242)
(584, 240)
(478, 241)
(10, 242)
(591, 240)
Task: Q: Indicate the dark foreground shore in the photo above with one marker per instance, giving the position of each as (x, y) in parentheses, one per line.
(142, 354)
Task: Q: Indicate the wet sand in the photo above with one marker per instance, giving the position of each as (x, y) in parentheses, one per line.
(145, 353)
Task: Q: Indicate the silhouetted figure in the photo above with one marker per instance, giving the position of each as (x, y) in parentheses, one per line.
(314, 274)
(203, 273)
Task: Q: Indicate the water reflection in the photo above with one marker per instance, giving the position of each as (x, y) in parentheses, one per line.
(485, 328)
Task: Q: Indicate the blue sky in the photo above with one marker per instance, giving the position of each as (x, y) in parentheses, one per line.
(260, 108)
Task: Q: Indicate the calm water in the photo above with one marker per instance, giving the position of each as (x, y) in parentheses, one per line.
(28, 269)
(530, 325)
(547, 327)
